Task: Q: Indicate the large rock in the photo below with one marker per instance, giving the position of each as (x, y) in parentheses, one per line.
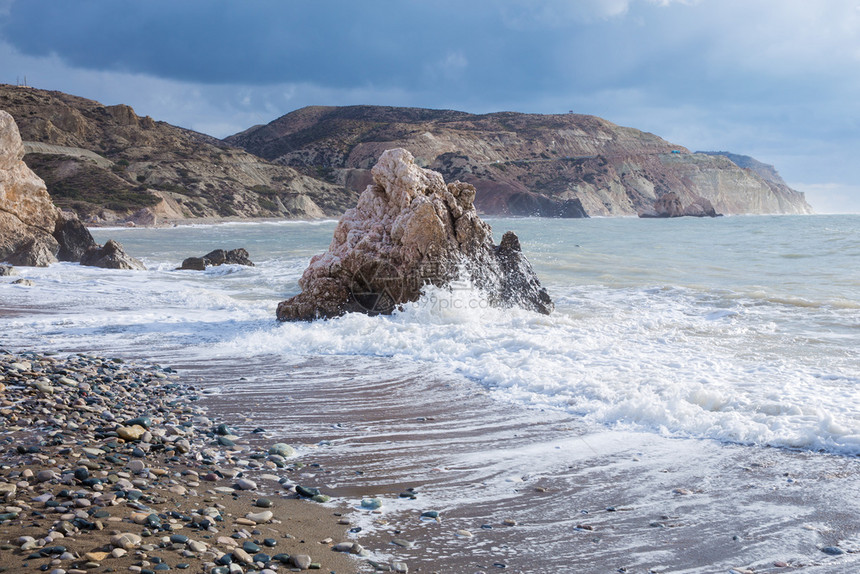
(27, 214)
(110, 256)
(218, 257)
(410, 229)
(74, 238)
(669, 205)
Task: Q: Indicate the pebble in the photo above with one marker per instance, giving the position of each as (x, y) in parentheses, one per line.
(260, 517)
(126, 540)
(245, 484)
(302, 561)
(282, 449)
(371, 503)
(101, 463)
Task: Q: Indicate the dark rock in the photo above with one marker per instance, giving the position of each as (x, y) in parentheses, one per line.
(74, 239)
(409, 230)
(194, 264)
(306, 491)
(37, 251)
(218, 257)
(110, 256)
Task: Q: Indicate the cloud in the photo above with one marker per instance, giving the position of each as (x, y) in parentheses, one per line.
(831, 197)
(776, 79)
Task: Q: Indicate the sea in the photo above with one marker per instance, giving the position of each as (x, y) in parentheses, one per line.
(691, 405)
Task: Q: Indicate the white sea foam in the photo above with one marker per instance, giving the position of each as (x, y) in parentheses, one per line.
(639, 340)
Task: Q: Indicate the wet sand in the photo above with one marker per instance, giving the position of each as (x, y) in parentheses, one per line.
(536, 491)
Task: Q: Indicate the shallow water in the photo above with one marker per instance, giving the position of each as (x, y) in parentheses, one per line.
(674, 342)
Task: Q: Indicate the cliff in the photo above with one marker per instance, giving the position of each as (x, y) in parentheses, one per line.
(521, 164)
(27, 216)
(107, 163)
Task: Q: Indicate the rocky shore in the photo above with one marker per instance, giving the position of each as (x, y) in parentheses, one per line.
(112, 467)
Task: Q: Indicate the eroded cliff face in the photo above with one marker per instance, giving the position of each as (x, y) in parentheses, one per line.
(521, 164)
(27, 215)
(107, 163)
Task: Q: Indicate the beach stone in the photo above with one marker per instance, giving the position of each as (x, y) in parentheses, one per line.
(96, 556)
(224, 441)
(126, 540)
(282, 449)
(242, 556)
(45, 475)
(130, 433)
(246, 484)
(306, 491)
(197, 546)
(263, 503)
(136, 465)
(371, 503)
(302, 561)
(8, 490)
(342, 547)
(260, 517)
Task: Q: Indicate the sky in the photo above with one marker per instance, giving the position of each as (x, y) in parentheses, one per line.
(775, 79)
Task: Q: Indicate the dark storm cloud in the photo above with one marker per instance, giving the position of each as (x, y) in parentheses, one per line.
(779, 79)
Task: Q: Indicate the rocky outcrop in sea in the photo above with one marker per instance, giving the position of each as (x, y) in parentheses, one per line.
(218, 257)
(409, 230)
(670, 205)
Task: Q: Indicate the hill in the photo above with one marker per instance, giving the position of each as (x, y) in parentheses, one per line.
(521, 164)
(107, 163)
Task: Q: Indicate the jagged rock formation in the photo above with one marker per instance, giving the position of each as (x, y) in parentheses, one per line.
(111, 256)
(520, 164)
(74, 238)
(27, 215)
(410, 229)
(669, 205)
(218, 257)
(33, 232)
(108, 164)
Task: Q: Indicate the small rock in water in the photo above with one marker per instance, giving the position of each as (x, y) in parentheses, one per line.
(833, 550)
(371, 503)
(282, 449)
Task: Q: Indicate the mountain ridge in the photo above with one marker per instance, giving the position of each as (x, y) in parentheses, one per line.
(108, 164)
(521, 164)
